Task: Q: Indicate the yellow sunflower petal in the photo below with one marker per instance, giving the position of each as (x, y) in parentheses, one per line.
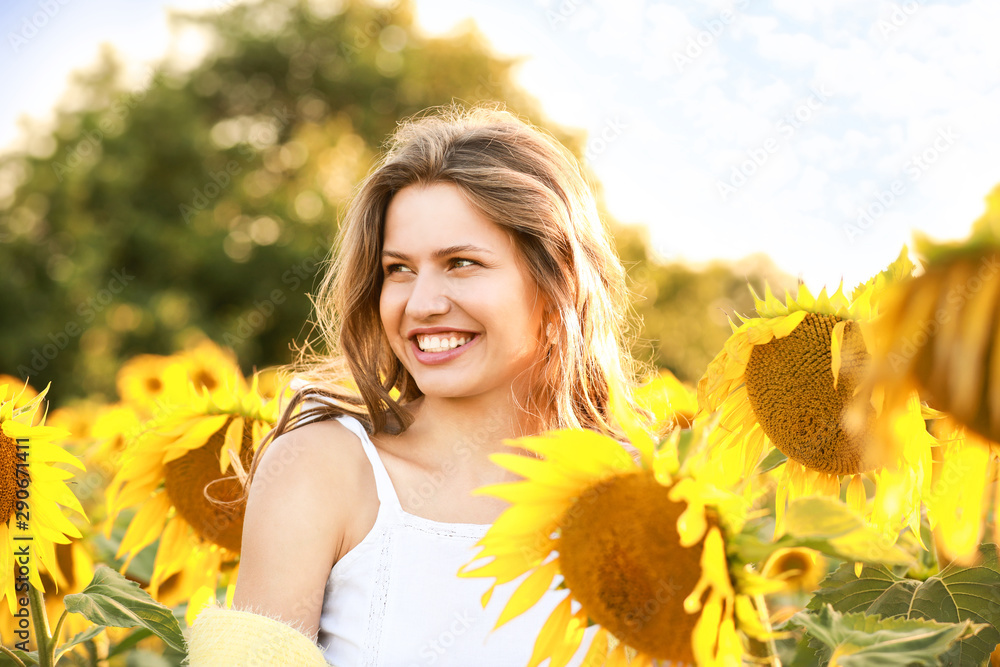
(529, 592)
(630, 424)
(540, 472)
(856, 498)
(993, 388)
(197, 434)
(552, 633)
(233, 444)
(564, 651)
(836, 346)
(598, 651)
(526, 492)
(706, 631)
(146, 525)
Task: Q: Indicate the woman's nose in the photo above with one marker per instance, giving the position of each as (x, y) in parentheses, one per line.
(428, 298)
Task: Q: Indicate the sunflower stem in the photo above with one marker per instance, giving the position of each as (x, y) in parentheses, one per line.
(765, 620)
(10, 654)
(46, 647)
(58, 630)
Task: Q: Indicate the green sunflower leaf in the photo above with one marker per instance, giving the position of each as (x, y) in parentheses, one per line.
(848, 592)
(131, 640)
(79, 638)
(774, 459)
(859, 640)
(111, 599)
(954, 595)
(830, 526)
(24, 656)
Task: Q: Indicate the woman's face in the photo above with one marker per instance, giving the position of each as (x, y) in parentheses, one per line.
(460, 311)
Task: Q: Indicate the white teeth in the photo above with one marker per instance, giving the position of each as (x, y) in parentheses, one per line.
(441, 344)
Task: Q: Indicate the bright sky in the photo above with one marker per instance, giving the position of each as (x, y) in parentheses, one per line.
(820, 132)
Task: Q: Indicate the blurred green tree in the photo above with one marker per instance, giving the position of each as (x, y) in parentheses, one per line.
(206, 201)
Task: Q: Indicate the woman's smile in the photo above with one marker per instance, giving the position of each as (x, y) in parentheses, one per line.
(460, 311)
(439, 348)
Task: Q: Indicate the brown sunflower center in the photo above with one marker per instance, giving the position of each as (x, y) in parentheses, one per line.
(793, 563)
(186, 479)
(621, 556)
(789, 383)
(153, 385)
(8, 476)
(954, 350)
(203, 378)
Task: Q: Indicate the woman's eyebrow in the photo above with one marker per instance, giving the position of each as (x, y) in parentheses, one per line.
(442, 252)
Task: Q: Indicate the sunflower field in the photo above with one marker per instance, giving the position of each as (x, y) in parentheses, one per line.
(815, 482)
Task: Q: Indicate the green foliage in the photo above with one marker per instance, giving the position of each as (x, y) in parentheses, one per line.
(859, 640)
(828, 526)
(79, 638)
(206, 201)
(111, 599)
(956, 594)
(774, 459)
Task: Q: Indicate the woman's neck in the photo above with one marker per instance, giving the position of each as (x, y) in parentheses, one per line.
(481, 427)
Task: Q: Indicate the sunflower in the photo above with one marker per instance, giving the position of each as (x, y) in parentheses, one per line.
(939, 337)
(20, 391)
(27, 475)
(798, 568)
(205, 445)
(147, 381)
(672, 403)
(942, 337)
(77, 418)
(573, 524)
(797, 377)
(958, 505)
(74, 567)
(212, 368)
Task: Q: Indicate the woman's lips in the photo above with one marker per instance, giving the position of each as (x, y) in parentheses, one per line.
(434, 358)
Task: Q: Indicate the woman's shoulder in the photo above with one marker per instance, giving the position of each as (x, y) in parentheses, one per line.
(306, 489)
(327, 450)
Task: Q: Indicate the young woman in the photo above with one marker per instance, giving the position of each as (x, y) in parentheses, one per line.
(476, 298)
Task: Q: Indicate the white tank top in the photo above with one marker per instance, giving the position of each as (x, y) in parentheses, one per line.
(395, 599)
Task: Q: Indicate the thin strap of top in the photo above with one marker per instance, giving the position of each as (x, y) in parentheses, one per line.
(383, 485)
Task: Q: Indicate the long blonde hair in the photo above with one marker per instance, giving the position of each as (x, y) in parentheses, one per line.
(523, 180)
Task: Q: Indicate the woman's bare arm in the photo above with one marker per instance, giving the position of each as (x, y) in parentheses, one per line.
(295, 523)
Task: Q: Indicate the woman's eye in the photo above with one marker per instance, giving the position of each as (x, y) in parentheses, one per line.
(395, 268)
(462, 263)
